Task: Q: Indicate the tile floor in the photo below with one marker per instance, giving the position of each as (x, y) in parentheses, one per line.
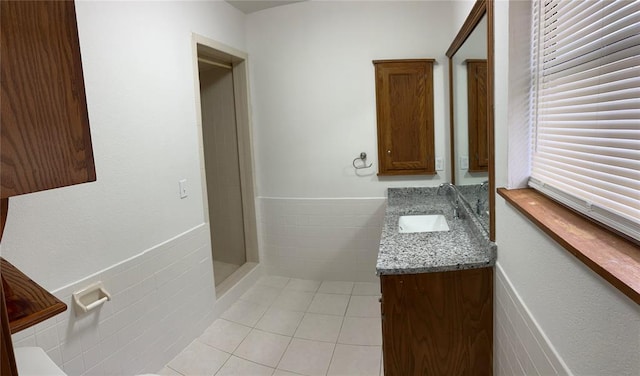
(287, 326)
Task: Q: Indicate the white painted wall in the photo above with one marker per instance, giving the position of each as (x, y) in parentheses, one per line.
(461, 9)
(138, 70)
(593, 327)
(313, 91)
(314, 111)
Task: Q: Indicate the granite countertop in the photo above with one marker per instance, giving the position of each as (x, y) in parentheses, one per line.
(465, 246)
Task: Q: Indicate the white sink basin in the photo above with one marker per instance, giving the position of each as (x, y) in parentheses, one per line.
(422, 223)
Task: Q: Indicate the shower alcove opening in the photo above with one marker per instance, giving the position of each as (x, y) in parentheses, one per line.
(226, 160)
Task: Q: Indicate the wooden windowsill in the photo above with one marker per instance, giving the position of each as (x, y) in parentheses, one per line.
(614, 258)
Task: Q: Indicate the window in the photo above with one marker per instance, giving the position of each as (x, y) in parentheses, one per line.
(585, 108)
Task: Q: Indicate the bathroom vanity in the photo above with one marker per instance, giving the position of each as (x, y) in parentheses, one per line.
(437, 288)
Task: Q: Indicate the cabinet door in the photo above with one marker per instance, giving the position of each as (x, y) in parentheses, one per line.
(477, 99)
(45, 126)
(438, 323)
(404, 101)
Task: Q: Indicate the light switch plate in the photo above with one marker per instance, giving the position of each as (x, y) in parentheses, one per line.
(183, 188)
(439, 164)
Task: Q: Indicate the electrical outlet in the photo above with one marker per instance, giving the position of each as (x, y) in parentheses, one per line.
(439, 164)
(464, 162)
(183, 188)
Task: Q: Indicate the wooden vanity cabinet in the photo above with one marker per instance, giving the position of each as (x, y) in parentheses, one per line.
(404, 110)
(438, 323)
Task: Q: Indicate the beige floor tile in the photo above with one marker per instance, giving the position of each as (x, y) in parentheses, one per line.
(239, 367)
(361, 331)
(329, 304)
(224, 335)
(261, 294)
(280, 372)
(336, 287)
(263, 348)
(280, 321)
(274, 281)
(349, 360)
(199, 359)
(307, 357)
(363, 306)
(245, 312)
(366, 288)
(258, 330)
(293, 300)
(166, 371)
(319, 327)
(305, 285)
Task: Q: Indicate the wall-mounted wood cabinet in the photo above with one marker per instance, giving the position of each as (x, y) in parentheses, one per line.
(45, 127)
(404, 103)
(477, 110)
(438, 323)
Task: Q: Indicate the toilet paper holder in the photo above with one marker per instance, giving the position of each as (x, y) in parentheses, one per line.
(90, 298)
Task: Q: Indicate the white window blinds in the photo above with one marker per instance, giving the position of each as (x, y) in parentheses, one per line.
(586, 108)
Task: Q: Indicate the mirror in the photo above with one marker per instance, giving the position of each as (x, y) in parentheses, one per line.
(471, 118)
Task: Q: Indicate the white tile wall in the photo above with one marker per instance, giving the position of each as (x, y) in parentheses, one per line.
(161, 300)
(520, 348)
(321, 239)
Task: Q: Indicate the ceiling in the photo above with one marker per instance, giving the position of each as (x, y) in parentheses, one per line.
(247, 6)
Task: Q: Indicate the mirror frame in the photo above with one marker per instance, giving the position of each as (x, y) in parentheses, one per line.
(480, 8)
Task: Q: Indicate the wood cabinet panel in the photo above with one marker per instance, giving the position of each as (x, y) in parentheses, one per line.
(45, 128)
(477, 103)
(438, 323)
(404, 102)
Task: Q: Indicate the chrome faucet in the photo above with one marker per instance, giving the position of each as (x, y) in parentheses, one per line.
(456, 210)
(484, 185)
(446, 185)
(451, 187)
